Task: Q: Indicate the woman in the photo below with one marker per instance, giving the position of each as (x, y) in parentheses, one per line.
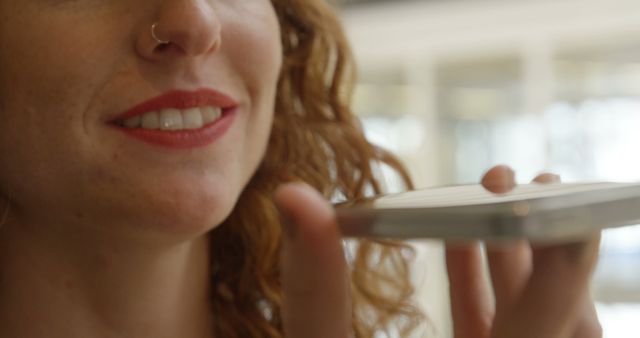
(142, 147)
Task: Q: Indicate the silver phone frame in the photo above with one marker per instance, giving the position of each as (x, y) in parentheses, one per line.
(550, 219)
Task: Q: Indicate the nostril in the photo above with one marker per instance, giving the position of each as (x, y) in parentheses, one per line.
(161, 47)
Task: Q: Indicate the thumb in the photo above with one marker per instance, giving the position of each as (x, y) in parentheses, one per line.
(314, 272)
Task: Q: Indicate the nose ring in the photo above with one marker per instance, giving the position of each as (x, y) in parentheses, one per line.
(155, 36)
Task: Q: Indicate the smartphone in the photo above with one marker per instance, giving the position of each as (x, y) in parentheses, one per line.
(536, 212)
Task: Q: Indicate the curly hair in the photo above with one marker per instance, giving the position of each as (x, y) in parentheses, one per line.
(316, 139)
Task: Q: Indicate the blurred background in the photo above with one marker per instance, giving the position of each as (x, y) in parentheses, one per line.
(457, 86)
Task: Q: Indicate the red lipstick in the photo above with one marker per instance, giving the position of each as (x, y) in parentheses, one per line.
(178, 99)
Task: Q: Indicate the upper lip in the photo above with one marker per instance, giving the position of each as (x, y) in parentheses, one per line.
(180, 99)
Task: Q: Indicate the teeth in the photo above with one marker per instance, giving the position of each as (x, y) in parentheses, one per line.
(175, 119)
(192, 119)
(210, 114)
(170, 119)
(133, 122)
(149, 121)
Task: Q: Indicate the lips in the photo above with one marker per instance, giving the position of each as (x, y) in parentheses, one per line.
(179, 119)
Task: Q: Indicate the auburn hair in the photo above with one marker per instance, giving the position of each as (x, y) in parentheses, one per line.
(316, 139)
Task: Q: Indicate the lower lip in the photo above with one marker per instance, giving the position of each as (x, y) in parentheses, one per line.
(184, 139)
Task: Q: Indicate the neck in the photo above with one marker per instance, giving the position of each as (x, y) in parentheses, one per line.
(79, 286)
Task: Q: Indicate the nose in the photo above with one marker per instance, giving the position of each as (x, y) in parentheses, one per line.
(187, 27)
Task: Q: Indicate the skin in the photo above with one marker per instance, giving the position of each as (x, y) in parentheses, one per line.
(537, 291)
(106, 233)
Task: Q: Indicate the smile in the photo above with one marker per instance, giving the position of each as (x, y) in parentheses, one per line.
(174, 119)
(179, 119)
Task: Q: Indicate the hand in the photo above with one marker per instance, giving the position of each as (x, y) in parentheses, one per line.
(538, 291)
(314, 272)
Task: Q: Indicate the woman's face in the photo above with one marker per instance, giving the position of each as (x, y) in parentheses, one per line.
(70, 69)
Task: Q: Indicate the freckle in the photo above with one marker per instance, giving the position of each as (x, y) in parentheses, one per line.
(79, 215)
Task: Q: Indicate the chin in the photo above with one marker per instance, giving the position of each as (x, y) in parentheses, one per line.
(178, 211)
(196, 216)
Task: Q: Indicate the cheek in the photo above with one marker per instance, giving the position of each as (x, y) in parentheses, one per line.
(255, 47)
(47, 82)
(43, 106)
(256, 54)
(42, 56)
(46, 88)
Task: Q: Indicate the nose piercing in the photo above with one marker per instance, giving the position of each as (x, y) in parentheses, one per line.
(155, 36)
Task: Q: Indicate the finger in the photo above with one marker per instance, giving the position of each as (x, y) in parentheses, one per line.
(510, 267)
(547, 178)
(553, 299)
(499, 179)
(314, 273)
(588, 325)
(469, 292)
(471, 298)
(510, 264)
